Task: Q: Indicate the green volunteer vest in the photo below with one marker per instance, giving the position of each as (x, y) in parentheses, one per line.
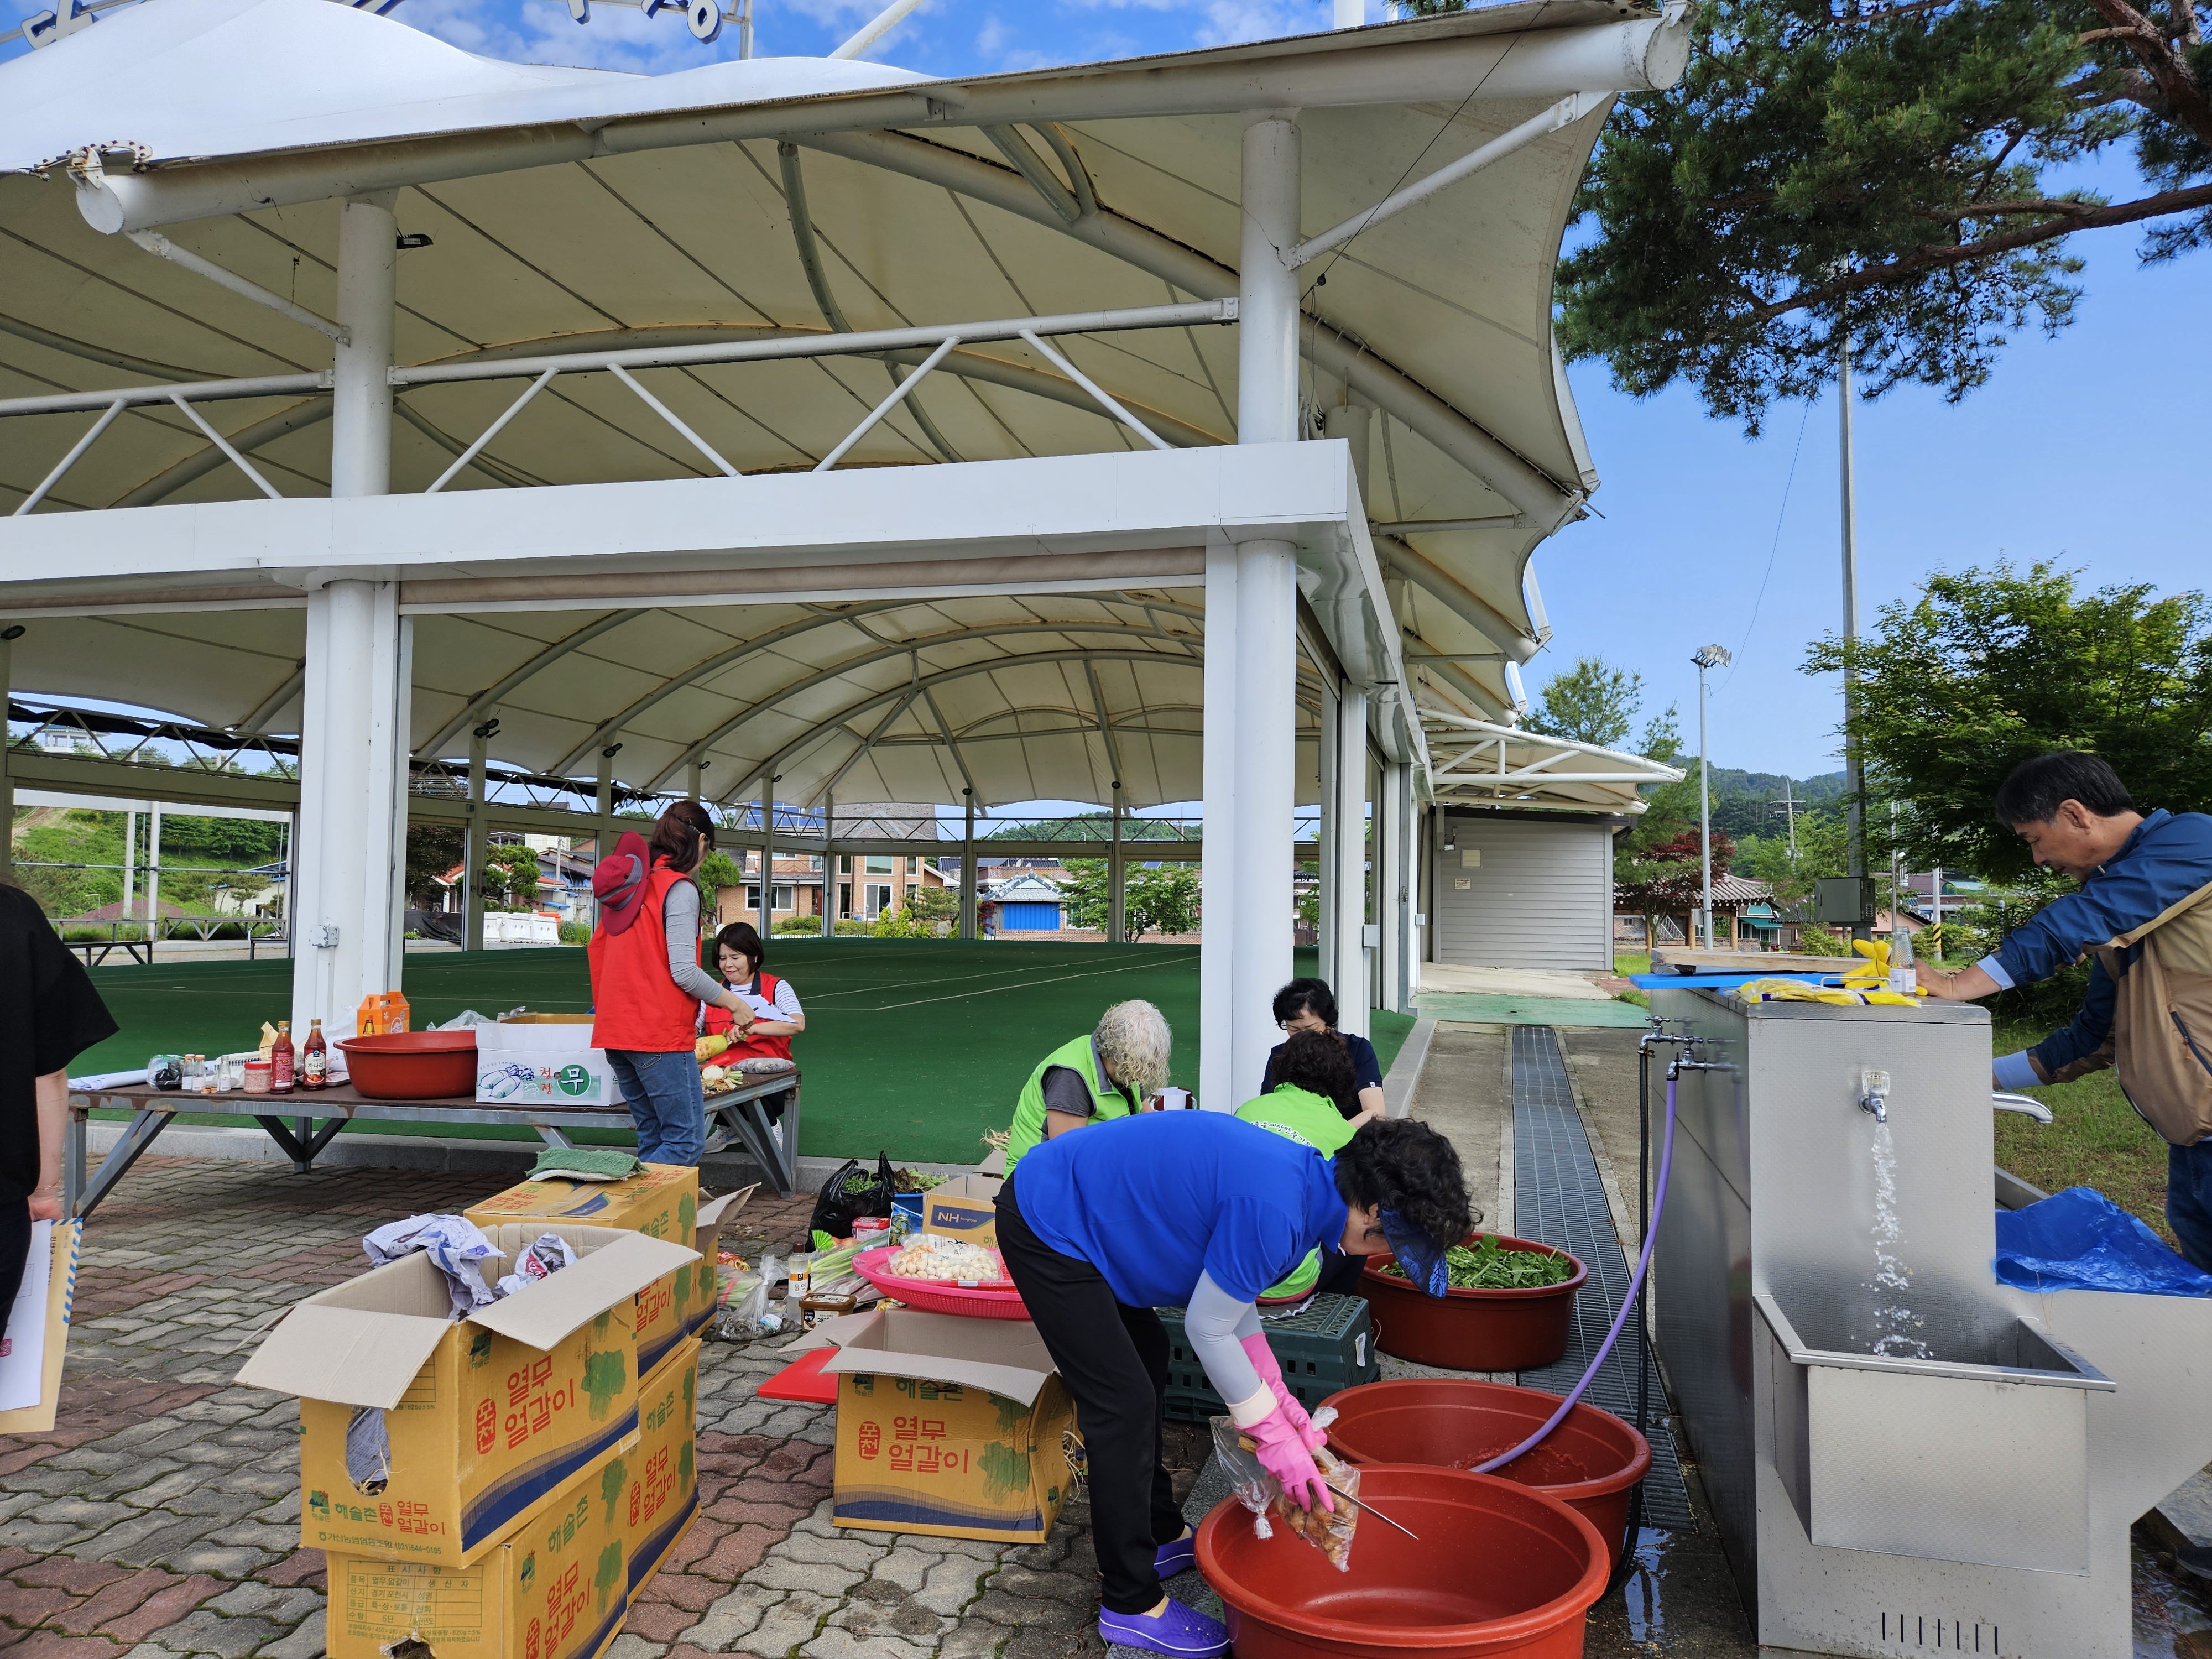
(1300, 1116)
(1106, 1101)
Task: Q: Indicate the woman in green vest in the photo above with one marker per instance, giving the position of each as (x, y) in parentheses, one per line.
(1088, 1079)
(1315, 1101)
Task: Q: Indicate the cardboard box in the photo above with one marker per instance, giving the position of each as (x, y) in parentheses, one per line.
(484, 1417)
(543, 1060)
(663, 1497)
(661, 1203)
(949, 1426)
(964, 1207)
(556, 1586)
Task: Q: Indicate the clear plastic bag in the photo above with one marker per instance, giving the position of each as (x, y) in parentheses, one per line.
(752, 1316)
(1329, 1532)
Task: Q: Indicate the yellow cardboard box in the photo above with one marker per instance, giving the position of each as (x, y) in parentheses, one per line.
(664, 1475)
(949, 1426)
(556, 1586)
(478, 1419)
(661, 1203)
(964, 1208)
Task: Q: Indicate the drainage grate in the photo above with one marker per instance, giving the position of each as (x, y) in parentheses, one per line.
(1559, 1199)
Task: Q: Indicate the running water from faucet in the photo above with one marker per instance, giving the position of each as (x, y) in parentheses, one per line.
(1892, 1278)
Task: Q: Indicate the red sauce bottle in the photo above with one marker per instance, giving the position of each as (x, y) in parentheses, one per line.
(280, 1060)
(314, 1060)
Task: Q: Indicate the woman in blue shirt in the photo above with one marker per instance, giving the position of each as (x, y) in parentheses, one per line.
(1199, 1211)
(1307, 1005)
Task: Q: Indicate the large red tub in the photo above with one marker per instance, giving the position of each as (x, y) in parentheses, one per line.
(1473, 1330)
(1502, 1571)
(1590, 1462)
(413, 1065)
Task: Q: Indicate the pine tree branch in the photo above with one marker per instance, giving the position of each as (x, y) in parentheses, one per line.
(2166, 67)
(1943, 256)
(1993, 210)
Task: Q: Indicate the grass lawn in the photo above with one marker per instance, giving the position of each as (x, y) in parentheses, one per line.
(2096, 1139)
(913, 1046)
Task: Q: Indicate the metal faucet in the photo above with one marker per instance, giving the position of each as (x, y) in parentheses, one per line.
(1874, 1097)
(2025, 1105)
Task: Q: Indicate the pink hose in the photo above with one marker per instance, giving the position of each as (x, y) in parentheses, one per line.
(1627, 1303)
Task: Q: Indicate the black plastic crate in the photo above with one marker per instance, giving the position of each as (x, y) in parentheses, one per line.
(1326, 1346)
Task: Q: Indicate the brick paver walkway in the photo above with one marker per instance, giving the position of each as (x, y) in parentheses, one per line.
(162, 1516)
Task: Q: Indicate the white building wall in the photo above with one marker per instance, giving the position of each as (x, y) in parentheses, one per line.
(1540, 895)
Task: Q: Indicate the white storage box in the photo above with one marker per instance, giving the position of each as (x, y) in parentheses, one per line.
(543, 1060)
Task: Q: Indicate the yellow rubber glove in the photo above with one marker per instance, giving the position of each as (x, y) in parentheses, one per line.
(1873, 966)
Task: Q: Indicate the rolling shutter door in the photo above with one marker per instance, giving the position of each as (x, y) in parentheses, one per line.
(1540, 897)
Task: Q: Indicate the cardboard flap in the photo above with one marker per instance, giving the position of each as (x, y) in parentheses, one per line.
(711, 1212)
(994, 1166)
(1005, 1356)
(349, 1356)
(834, 1332)
(549, 1309)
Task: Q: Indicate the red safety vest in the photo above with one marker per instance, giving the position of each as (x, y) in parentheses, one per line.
(634, 1004)
(720, 1020)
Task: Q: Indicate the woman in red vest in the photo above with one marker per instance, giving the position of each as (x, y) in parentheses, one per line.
(739, 952)
(647, 984)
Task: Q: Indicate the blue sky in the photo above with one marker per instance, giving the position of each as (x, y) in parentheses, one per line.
(2082, 450)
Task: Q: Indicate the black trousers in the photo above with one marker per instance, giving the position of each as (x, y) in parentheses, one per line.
(1114, 1360)
(14, 1246)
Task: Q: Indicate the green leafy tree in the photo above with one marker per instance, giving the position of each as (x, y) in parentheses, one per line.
(1985, 669)
(718, 871)
(934, 905)
(513, 877)
(1083, 895)
(1161, 901)
(1880, 174)
(1670, 810)
(1590, 702)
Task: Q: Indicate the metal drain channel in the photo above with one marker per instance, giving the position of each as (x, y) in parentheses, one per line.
(1559, 1199)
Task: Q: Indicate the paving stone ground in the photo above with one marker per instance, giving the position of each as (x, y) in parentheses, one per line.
(160, 1516)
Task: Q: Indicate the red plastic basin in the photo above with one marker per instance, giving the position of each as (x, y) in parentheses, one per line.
(413, 1065)
(1473, 1330)
(1500, 1571)
(1590, 1462)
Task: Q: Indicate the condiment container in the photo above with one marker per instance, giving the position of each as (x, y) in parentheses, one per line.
(824, 1305)
(257, 1077)
(867, 1226)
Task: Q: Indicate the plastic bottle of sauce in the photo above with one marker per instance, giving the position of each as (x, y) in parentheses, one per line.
(280, 1060)
(314, 1060)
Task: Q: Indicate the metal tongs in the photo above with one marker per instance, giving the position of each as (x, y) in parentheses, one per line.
(1246, 1442)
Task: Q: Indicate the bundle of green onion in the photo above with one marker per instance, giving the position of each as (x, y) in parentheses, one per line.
(1490, 1267)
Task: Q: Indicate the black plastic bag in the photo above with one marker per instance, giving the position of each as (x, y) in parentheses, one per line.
(836, 1209)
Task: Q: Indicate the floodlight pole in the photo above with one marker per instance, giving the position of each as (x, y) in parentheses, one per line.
(1707, 656)
(1854, 766)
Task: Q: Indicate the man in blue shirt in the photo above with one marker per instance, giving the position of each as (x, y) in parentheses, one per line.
(2144, 913)
(1199, 1211)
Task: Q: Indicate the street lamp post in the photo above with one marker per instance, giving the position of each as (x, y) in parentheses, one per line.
(1707, 656)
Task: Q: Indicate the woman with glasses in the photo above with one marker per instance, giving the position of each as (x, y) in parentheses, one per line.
(1307, 1005)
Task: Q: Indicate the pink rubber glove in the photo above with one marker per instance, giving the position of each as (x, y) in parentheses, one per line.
(1263, 1361)
(1283, 1454)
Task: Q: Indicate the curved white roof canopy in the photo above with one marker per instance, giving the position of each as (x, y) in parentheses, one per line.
(1474, 762)
(576, 209)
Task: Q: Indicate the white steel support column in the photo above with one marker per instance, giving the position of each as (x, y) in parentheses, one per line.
(603, 803)
(1117, 878)
(830, 864)
(1394, 883)
(153, 871)
(476, 856)
(353, 726)
(1262, 717)
(768, 859)
(130, 865)
(7, 638)
(971, 881)
(1325, 931)
(1348, 833)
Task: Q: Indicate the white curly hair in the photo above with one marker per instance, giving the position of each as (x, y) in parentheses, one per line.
(1133, 1040)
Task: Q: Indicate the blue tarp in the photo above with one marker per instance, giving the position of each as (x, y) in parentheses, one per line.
(2080, 1240)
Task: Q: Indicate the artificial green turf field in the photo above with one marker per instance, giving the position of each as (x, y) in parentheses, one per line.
(913, 1046)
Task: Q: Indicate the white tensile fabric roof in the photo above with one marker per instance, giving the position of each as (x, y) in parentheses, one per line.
(671, 233)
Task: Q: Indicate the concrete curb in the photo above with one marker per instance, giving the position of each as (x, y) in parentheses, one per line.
(1405, 1074)
(428, 1152)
